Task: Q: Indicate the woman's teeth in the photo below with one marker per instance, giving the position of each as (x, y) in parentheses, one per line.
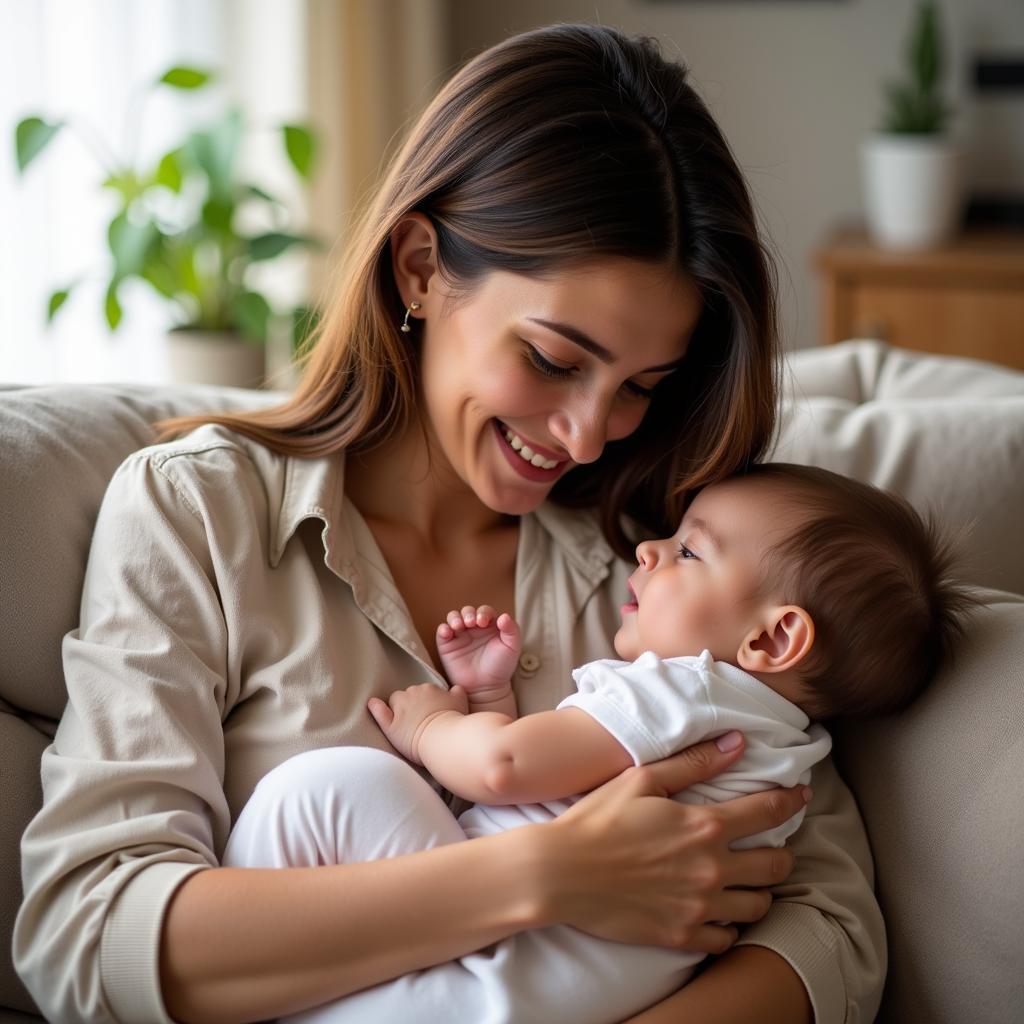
(527, 453)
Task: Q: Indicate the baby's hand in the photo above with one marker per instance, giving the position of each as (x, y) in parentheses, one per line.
(406, 713)
(479, 650)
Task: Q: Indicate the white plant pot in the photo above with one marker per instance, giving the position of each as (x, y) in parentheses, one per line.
(912, 189)
(214, 357)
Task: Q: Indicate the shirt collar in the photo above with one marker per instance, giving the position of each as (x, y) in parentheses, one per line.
(578, 533)
(314, 488)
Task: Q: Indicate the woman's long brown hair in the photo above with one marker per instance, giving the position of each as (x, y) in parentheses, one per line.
(558, 147)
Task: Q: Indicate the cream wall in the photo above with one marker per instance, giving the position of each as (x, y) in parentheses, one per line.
(795, 85)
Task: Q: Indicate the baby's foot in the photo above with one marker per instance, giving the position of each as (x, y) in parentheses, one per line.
(478, 649)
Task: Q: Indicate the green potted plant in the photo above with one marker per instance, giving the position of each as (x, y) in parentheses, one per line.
(912, 166)
(177, 227)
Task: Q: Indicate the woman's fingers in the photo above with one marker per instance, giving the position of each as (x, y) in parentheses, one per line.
(759, 812)
(672, 878)
(738, 905)
(698, 763)
(711, 938)
(756, 869)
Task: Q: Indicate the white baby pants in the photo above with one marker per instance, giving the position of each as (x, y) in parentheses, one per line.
(348, 804)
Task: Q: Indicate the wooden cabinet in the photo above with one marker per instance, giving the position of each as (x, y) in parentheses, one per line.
(965, 299)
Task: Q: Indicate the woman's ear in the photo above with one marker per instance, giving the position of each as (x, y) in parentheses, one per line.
(414, 257)
(779, 642)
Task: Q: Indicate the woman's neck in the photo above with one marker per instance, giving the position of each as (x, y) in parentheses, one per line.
(407, 485)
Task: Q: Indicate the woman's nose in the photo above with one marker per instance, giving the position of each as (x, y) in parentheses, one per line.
(582, 429)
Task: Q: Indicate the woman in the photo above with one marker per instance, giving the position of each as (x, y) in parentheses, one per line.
(555, 322)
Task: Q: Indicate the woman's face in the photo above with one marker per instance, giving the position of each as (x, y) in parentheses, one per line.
(529, 377)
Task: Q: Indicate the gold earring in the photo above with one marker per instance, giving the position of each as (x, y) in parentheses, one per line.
(405, 326)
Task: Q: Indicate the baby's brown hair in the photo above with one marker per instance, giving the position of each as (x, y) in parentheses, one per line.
(877, 580)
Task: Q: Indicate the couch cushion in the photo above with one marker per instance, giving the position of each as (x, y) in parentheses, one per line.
(21, 747)
(939, 788)
(864, 371)
(947, 434)
(60, 447)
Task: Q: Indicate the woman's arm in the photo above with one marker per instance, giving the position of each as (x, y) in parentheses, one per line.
(247, 944)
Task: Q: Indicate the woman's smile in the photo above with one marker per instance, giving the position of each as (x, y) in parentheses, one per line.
(530, 461)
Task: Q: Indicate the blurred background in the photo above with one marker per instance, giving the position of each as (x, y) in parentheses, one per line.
(797, 86)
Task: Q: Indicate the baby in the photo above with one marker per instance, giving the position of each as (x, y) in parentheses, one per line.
(788, 595)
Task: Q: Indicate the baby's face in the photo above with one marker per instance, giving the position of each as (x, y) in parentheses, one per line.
(702, 588)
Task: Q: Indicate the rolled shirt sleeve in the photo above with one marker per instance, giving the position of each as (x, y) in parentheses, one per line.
(133, 798)
(825, 921)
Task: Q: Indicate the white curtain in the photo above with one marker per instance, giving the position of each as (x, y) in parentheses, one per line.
(83, 61)
(373, 66)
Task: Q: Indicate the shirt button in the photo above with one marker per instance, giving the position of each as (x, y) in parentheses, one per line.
(529, 662)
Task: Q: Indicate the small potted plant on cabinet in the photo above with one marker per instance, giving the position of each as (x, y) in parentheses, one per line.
(177, 228)
(912, 167)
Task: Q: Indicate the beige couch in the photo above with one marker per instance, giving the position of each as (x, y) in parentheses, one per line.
(939, 787)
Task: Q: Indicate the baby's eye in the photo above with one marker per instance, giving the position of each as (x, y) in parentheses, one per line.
(685, 552)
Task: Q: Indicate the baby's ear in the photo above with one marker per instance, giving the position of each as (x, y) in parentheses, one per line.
(780, 641)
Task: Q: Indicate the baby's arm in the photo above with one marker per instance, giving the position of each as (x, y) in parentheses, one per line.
(491, 758)
(469, 738)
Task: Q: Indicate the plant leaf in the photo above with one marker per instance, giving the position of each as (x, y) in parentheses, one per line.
(169, 172)
(217, 215)
(57, 299)
(214, 150)
(300, 145)
(273, 243)
(111, 307)
(130, 243)
(181, 77)
(127, 184)
(305, 320)
(31, 137)
(160, 269)
(250, 314)
(255, 192)
(925, 48)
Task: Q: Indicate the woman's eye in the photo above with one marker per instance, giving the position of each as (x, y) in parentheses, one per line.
(639, 392)
(685, 552)
(549, 369)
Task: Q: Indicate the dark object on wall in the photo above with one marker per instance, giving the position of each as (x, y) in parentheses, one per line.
(999, 74)
(996, 211)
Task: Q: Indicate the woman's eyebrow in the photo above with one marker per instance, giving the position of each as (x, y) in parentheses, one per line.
(585, 341)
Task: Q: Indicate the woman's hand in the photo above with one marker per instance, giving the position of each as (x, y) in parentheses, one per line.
(629, 865)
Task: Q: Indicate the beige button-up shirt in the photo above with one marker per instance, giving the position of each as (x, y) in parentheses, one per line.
(237, 611)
